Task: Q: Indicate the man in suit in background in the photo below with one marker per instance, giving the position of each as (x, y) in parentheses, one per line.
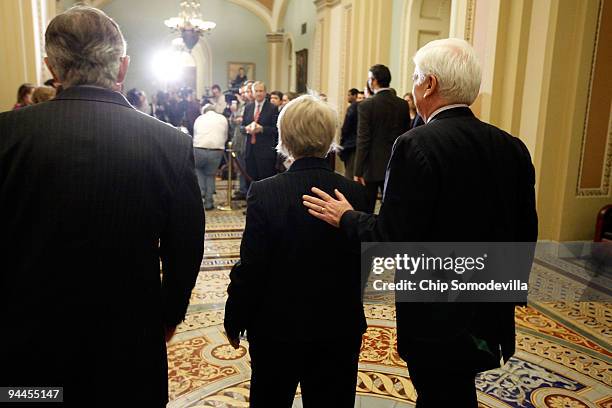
(382, 119)
(348, 139)
(262, 136)
(455, 180)
(93, 194)
(276, 99)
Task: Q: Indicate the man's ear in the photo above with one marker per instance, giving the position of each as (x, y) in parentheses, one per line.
(432, 85)
(55, 78)
(123, 69)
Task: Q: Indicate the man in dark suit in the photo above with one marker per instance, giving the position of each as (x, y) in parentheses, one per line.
(457, 179)
(418, 121)
(348, 139)
(382, 118)
(93, 194)
(308, 266)
(262, 136)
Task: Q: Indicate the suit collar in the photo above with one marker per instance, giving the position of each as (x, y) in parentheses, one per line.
(383, 93)
(93, 93)
(382, 90)
(306, 163)
(452, 113)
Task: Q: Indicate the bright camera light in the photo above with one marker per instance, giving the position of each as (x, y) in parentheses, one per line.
(167, 65)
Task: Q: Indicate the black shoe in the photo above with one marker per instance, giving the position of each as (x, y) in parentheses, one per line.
(239, 196)
(209, 207)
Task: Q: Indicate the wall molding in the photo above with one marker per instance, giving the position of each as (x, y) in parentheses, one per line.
(604, 189)
(469, 21)
(277, 37)
(347, 24)
(321, 4)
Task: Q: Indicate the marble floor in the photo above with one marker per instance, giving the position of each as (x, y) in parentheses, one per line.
(563, 359)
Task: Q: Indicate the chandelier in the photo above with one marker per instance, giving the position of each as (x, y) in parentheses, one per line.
(190, 24)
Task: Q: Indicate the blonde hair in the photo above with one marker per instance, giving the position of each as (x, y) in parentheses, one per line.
(43, 94)
(306, 127)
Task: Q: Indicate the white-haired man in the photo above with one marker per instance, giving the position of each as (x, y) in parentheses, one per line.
(456, 179)
(259, 122)
(93, 195)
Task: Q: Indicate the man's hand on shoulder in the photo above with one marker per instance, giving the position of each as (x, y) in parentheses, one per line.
(326, 208)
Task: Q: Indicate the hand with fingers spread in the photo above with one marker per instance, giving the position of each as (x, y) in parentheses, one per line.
(325, 207)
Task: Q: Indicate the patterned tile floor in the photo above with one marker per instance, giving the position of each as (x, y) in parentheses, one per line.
(563, 359)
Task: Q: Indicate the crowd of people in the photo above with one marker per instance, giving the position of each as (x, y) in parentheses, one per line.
(29, 94)
(95, 194)
(182, 109)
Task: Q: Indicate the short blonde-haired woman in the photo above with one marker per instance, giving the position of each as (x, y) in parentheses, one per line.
(296, 289)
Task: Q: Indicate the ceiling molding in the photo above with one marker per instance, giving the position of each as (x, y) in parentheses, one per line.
(278, 14)
(253, 6)
(258, 9)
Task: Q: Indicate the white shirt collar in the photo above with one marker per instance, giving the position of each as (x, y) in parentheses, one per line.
(443, 108)
(380, 90)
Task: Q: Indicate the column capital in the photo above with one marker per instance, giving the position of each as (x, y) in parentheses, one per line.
(277, 37)
(322, 4)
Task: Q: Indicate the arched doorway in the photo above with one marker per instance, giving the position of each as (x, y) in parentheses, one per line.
(424, 21)
(175, 69)
(202, 55)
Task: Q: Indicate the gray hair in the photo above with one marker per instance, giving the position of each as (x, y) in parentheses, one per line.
(207, 108)
(84, 47)
(255, 83)
(454, 64)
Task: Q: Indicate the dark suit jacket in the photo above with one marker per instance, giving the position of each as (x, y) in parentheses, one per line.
(348, 139)
(417, 121)
(93, 193)
(382, 119)
(298, 278)
(266, 141)
(454, 179)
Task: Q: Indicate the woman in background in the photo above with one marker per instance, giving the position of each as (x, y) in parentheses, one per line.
(287, 97)
(43, 94)
(411, 107)
(24, 96)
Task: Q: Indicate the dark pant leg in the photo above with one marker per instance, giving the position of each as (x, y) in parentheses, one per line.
(274, 377)
(243, 181)
(372, 188)
(325, 387)
(349, 165)
(200, 164)
(443, 388)
(251, 167)
(266, 167)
